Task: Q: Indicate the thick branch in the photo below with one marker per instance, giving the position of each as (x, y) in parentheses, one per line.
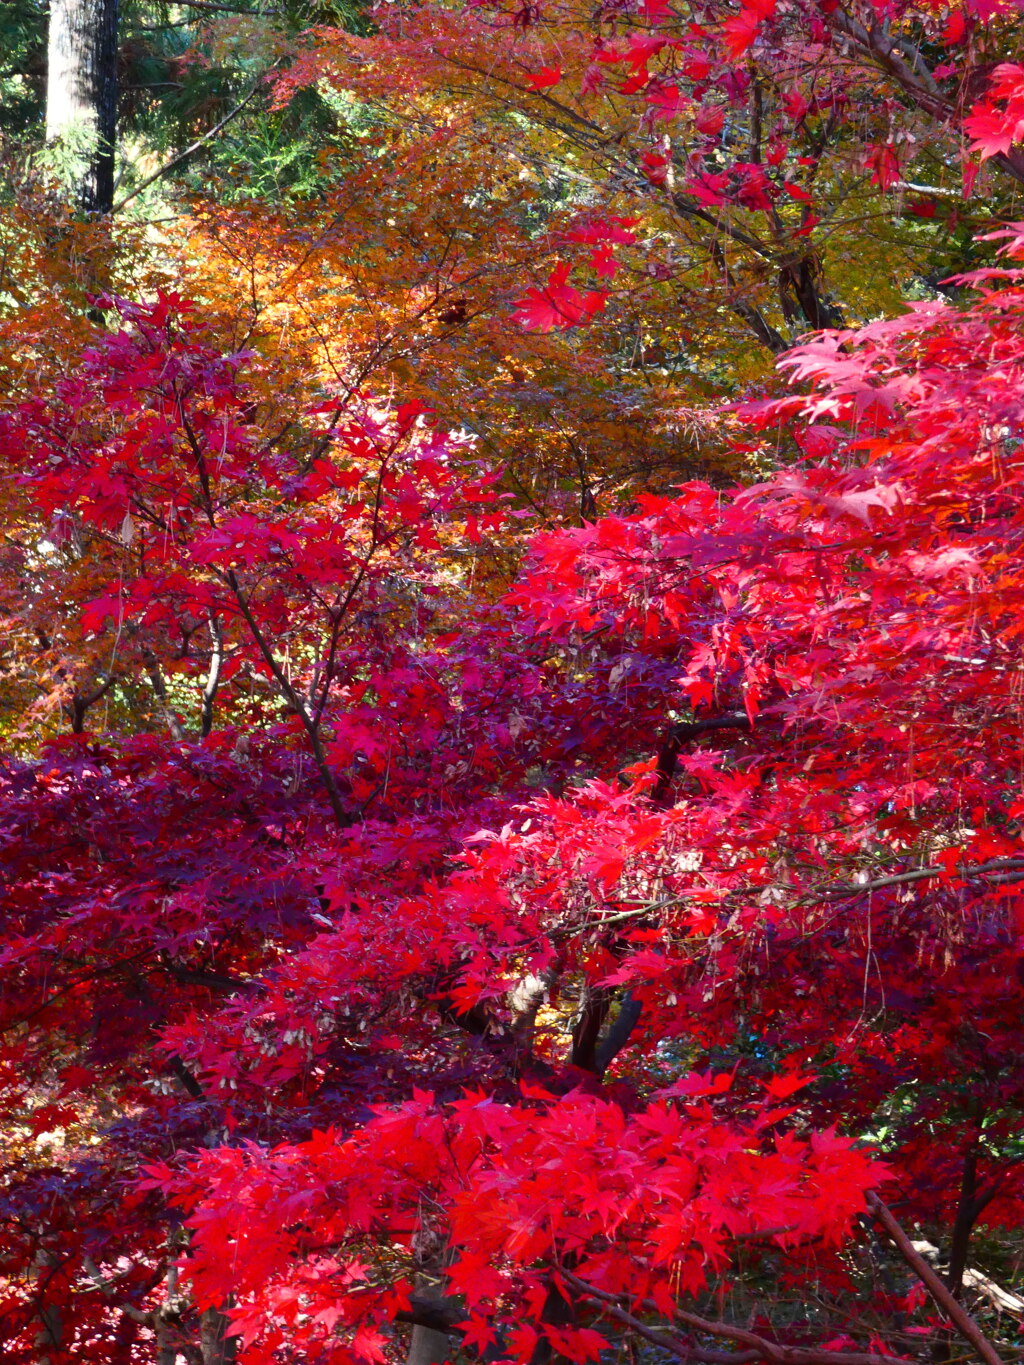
(209, 693)
(964, 1223)
(439, 1315)
(181, 1073)
(918, 84)
(156, 678)
(682, 734)
(81, 702)
(618, 1033)
(996, 869)
(217, 981)
(910, 72)
(767, 334)
(595, 1003)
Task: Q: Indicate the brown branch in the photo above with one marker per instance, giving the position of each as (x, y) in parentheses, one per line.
(768, 335)
(80, 702)
(298, 705)
(595, 1005)
(180, 1071)
(963, 1224)
(212, 8)
(918, 83)
(618, 1033)
(439, 1315)
(209, 692)
(940, 1294)
(758, 1348)
(682, 734)
(215, 981)
(996, 869)
(909, 70)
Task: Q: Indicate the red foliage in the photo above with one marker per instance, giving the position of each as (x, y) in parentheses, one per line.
(595, 954)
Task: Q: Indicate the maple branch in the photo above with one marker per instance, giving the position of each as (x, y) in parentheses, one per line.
(156, 678)
(681, 734)
(180, 1071)
(209, 692)
(341, 816)
(919, 83)
(108, 1287)
(80, 702)
(542, 96)
(906, 66)
(996, 869)
(18, 1020)
(340, 610)
(618, 1033)
(689, 208)
(188, 976)
(758, 1348)
(211, 8)
(767, 334)
(939, 1292)
(594, 1009)
(963, 1224)
(661, 1336)
(439, 1315)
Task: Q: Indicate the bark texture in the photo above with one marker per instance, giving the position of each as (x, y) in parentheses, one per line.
(81, 96)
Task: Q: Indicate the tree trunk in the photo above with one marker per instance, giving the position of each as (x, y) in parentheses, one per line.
(427, 1347)
(81, 97)
(217, 1349)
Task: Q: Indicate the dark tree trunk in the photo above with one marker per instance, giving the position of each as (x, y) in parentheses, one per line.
(81, 96)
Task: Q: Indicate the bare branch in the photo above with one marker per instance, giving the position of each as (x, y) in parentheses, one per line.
(996, 869)
(941, 1295)
(758, 1348)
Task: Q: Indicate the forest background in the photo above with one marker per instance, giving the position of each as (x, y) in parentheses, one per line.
(511, 683)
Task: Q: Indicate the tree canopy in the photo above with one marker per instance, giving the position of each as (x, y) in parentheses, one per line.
(511, 689)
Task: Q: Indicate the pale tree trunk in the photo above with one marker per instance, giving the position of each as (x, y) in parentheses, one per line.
(427, 1347)
(81, 97)
(217, 1349)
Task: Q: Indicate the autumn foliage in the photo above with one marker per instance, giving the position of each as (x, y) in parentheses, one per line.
(452, 909)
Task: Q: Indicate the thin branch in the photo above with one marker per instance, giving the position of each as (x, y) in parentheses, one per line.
(758, 1348)
(212, 8)
(183, 156)
(668, 1341)
(941, 1295)
(297, 703)
(993, 870)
